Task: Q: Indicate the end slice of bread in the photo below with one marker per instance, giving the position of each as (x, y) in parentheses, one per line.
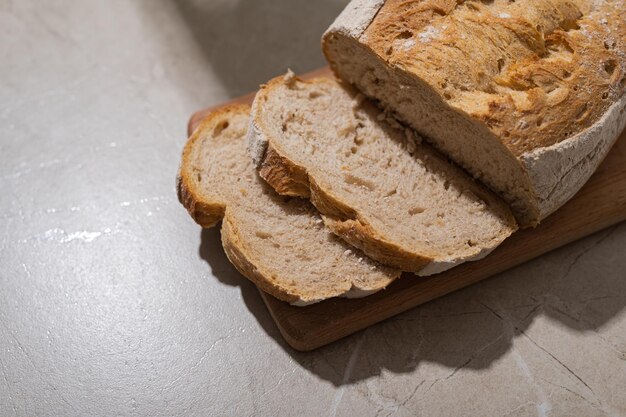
(279, 243)
(376, 185)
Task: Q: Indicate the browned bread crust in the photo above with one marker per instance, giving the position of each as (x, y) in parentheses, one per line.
(555, 65)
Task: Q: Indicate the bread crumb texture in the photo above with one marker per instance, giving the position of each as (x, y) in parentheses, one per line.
(279, 243)
(376, 184)
(535, 72)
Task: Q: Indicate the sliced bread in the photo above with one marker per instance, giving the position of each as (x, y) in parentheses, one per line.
(527, 95)
(376, 185)
(279, 243)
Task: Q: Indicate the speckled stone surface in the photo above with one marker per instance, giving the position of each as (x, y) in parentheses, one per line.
(113, 302)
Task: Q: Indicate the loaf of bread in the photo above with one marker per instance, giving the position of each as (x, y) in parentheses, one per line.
(376, 185)
(279, 243)
(527, 95)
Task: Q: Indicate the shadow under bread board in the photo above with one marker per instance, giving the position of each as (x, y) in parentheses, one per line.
(599, 204)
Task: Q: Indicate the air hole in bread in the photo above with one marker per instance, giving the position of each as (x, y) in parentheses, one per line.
(559, 45)
(605, 96)
(315, 94)
(447, 96)
(566, 74)
(609, 44)
(446, 185)
(262, 234)
(500, 64)
(610, 66)
(199, 177)
(568, 25)
(405, 34)
(470, 243)
(354, 180)
(539, 121)
(219, 128)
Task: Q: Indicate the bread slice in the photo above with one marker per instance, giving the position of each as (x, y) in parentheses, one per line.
(527, 95)
(376, 185)
(279, 243)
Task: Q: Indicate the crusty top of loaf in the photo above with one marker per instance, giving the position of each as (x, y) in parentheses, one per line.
(536, 72)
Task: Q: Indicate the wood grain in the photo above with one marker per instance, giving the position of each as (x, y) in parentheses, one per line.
(599, 204)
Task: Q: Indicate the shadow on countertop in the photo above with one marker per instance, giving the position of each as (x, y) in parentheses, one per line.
(471, 328)
(248, 42)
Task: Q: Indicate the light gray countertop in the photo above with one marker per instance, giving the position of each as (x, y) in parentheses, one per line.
(113, 302)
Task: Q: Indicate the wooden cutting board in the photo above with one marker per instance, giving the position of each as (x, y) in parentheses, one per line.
(599, 204)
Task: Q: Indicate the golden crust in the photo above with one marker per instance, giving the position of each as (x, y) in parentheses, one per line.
(534, 72)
